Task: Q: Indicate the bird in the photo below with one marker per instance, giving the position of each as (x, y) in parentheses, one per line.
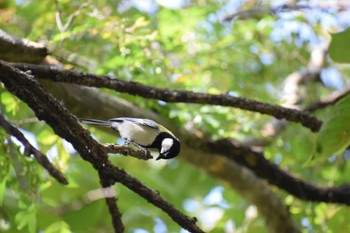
(143, 133)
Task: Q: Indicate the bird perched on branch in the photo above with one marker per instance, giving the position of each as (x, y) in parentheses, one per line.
(143, 133)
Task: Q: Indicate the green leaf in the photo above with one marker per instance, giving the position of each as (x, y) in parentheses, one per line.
(27, 217)
(340, 47)
(10, 102)
(58, 227)
(47, 137)
(335, 218)
(334, 135)
(2, 190)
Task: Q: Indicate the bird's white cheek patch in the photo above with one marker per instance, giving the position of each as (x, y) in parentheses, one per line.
(166, 145)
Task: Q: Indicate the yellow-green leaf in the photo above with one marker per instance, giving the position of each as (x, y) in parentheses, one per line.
(334, 135)
(340, 46)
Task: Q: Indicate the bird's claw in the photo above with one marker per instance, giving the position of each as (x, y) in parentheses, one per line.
(145, 151)
(127, 142)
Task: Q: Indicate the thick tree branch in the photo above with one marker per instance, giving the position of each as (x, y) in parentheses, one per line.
(14, 49)
(282, 179)
(66, 126)
(134, 88)
(31, 150)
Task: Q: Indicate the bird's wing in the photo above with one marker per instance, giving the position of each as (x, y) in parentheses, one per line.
(139, 121)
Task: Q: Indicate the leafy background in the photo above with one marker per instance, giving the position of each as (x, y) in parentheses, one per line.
(183, 45)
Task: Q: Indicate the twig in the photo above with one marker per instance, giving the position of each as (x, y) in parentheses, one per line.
(18, 167)
(116, 215)
(64, 27)
(329, 100)
(253, 12)
(31, 150)
(134, 88)
(66, 126)
(127, 150)
(111, 202)
(257, 11)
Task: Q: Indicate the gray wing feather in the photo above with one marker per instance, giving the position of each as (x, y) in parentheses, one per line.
(95, 122)
(139, 121)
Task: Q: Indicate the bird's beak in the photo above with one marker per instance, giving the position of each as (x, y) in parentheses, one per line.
(161, 156)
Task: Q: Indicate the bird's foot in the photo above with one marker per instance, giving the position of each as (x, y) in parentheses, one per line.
(145, 151)
(126, 142)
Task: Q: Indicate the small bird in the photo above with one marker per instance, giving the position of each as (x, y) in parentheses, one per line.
(143, 133)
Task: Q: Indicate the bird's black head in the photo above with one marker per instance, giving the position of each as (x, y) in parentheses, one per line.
(170, 148)
(167, 144)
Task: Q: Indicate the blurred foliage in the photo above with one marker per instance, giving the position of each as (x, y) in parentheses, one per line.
(185, 46)
(339, 46)
(334, 135)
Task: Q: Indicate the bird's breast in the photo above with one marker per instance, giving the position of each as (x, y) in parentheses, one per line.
(142, 135)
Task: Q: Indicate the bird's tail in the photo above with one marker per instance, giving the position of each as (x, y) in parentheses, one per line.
(95, 122)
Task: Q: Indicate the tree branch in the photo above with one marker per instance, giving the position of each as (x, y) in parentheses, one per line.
(121, 176)
(329, 100)
(261, 10)
(14, 49)
(66, 126)
(111, 202)
(116, 215)
(127, 150)
(257, 11)
(293, 95)
(265, 169)
(31, 150)
(199, 156)
(134, 88)
(90, 102)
